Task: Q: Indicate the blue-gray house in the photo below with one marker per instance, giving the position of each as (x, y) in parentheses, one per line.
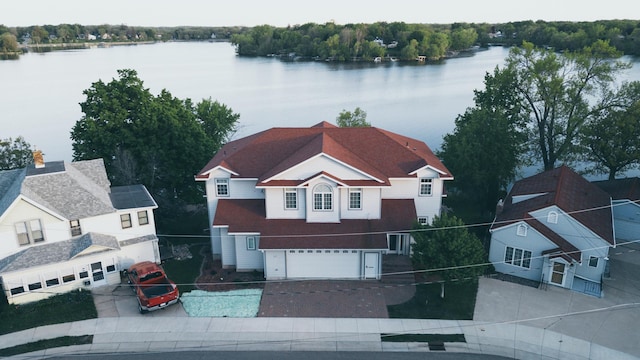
(557, 228)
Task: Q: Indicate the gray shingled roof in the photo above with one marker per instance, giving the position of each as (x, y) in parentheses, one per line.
(10, 184)
(131, 196)
(58, 252)
(70, 193)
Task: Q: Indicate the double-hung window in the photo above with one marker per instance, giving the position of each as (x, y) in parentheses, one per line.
(125, 221)
(517, 257)
(355, 199)
(222, 187)
(29, 232)
(290, 198)
(143, 217)
(75, 227)
(322, 197)
(426, 186)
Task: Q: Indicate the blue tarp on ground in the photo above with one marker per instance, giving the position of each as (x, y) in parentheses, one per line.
(234, 303)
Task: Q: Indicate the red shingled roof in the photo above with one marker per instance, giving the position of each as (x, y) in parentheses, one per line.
(248, 215)
(376, 152)
(570, 192)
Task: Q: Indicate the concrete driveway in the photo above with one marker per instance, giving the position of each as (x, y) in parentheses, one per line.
(120, 301)
(611, 321)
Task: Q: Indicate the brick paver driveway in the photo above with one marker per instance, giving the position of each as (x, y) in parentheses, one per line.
(324, 298)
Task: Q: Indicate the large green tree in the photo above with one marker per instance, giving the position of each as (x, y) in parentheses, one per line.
(559, 93)
(15, 153)
(612, 141)
(449, 249)
(357, 118)
(487, 147)
(160, 141)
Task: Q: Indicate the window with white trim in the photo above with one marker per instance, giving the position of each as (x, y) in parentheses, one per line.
(222, 187)
(125, 220)
(593, 261)
(29, 232)
(322, 197)
(517, 257)
(521, 230)
(355, 198)
(552, 217)
(423, 220)
(251, 243)
(143, 217)
(75, 227)
(426, 186)
(290, 198)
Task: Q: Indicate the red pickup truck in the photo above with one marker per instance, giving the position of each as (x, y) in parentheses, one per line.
(152, 287)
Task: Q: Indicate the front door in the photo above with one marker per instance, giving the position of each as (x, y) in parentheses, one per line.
(97, 274)
(396, 244)
(276, 265)
(371, 263)
(558, 272)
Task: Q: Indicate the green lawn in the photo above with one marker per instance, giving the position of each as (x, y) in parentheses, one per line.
(185, 272)
(458, 303)
(47, 344)
(73, 306)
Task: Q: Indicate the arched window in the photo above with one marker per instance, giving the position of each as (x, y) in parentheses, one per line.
(552, 217)
(322, 197)
(521, 230)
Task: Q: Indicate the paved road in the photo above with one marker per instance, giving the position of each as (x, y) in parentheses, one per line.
(278, 355)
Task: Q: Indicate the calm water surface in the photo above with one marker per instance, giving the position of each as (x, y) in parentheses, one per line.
(40, 93)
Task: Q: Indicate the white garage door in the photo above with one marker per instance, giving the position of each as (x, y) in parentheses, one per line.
(336, 265)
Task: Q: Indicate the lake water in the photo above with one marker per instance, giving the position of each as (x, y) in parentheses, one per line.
(40, 93)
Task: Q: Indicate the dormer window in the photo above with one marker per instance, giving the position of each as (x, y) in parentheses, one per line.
(521, 230)
(425, 186)
(552, 217)
(322, 197)
(75, 227)
(222, 187)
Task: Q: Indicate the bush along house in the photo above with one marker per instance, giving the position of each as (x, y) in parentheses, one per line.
(321, 202)
(63, 227)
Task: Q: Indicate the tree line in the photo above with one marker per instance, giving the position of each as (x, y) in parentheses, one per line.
(11, 38)
(408, 41)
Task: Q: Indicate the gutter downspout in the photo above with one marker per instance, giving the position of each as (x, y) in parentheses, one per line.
(613, 224)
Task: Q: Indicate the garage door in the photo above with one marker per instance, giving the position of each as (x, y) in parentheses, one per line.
(314, 264)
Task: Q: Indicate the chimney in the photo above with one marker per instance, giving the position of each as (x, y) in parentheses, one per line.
(499, 207)
(38, 160)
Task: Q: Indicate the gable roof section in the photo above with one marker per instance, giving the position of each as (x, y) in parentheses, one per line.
(248, 216)
(621, 189)
(379, 153)
(71, 192)
(57, 252)
(565, 189)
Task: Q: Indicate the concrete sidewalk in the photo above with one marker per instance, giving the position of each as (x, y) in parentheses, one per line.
(129, 334)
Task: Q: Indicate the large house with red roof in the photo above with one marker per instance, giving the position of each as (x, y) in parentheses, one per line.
(321, 202)
(557, 228)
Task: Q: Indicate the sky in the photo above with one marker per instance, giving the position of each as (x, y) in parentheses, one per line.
(282, 13)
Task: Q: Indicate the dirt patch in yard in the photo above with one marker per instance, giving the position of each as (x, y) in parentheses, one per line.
(214, 278)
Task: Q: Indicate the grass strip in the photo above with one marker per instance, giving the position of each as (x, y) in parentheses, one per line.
(47, 344)
(423, 338)
(458, 303)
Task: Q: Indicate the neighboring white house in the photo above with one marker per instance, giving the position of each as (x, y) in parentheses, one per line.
(319, 202)
(63, 227)
(554, 227)
(626, 207)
